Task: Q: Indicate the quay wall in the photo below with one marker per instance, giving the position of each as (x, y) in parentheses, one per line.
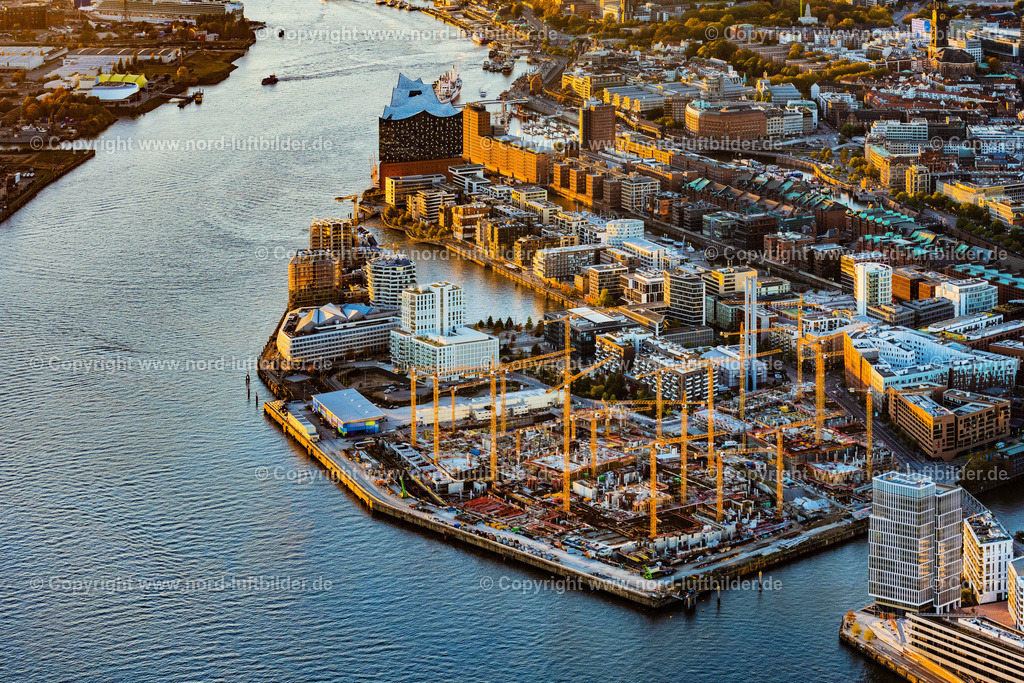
(376, 503)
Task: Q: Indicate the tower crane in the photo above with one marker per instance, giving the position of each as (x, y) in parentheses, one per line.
(819, 379)
(566, 404)
(653, 446)
(743, 356)
(710, 364)
(467, 371)
(870, 413)
(778, 452)
(354, 198)
(566, 387)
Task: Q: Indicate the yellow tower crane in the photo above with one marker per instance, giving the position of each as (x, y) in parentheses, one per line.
(868, 425)
(819, 375)
(779, 464)
(567, 402)
(653, 446)
(801, 339)
(566, 386)
(710, 364)
(468, 372)
(416, 373)
(819, 387)
(516, 366)
(593, 414)
(743, 360)
(354, 198)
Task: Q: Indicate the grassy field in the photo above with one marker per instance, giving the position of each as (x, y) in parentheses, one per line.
(208, 67)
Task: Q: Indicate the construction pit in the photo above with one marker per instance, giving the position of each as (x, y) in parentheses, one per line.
(727, 509)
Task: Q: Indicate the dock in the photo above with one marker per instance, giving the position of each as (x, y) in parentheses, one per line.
(853, 634)
(348, 469)
(354, 477)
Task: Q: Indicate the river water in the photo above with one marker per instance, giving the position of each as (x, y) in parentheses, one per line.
(156, 527)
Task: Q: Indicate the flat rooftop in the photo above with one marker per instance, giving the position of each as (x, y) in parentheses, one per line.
(986, 529)
(348, 405)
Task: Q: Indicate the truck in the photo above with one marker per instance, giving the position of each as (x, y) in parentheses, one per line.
(304, 426)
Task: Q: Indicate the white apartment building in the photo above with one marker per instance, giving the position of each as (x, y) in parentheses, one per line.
(636, 189)
(969, 296)
(988, 550)
(330, 333)
(872, 286)
(1015, 588)
(685, 296)
(809, 105)
(902, 138)
(915, 543)
(993, 138)
(884, 357)
(644, 287)
(970, 45)
(621, 229)
(652, 256)
(527, 193)
(387, 276)
(438, 308)
(563, 262)
(577, 223)
(433, 337)
(792, 122)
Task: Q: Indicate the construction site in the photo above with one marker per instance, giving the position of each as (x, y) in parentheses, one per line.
(694, 489)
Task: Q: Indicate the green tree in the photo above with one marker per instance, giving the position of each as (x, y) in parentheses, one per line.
(604, 299)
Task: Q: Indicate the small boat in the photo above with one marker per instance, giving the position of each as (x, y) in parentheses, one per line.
(380, 2)
(280, 33)
(199, 97)
(270, 80)
(483, 93)
(480, 39)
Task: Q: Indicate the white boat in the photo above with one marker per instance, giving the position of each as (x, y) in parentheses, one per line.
(448, 86)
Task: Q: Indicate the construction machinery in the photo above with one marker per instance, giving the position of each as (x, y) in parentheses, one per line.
(710, 364)
(566, 387)
(683, 442)
(779, 465)
(567, 404)
(819, 379)
(354, 198)
(743, 356)
(870, 414)
(469, 371)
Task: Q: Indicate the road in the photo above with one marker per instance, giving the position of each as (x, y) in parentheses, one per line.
(881, 433)
(938, 217)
